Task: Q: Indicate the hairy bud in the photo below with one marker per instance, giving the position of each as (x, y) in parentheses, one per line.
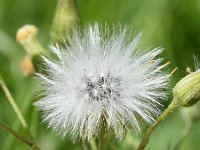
(187, 90)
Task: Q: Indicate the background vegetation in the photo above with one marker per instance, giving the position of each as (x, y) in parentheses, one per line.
(172, 24)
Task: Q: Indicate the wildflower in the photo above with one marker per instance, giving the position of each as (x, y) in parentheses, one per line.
(101, 80)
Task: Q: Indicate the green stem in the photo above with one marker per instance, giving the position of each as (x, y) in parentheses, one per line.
(19, 137)
(102, 133)
(25, 107)
(13, 103)
(17, 110)
(161, 118)
(33, 47)
(93, 144)
(101, 141)
(84, 146)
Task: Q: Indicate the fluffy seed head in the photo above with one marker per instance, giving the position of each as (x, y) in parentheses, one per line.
(101, 81)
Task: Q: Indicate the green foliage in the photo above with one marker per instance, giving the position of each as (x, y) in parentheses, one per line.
(172, 24)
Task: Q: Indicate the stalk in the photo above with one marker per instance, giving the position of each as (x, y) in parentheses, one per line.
(161, 118)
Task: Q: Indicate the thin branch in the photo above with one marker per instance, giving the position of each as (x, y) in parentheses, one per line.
(17, 110)
(150, 130)
(13, 103)
(19, 137)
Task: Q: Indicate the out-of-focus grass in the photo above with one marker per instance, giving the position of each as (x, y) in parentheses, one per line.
(172, 24)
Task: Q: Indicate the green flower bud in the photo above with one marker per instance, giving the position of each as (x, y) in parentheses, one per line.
(66, 18)
(187, 90)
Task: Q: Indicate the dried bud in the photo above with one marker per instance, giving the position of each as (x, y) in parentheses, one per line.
(27, 66)
(27, 37)
(26, 33)
(187, 90)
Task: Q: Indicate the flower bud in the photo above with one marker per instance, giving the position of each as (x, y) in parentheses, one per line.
(27, 37)
(27, 66)
(65, 19)
(187, 90)
(26, 33)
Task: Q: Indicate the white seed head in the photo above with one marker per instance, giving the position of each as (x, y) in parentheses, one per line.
(101, 77)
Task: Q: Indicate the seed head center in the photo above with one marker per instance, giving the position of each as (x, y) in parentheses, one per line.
(100, 88)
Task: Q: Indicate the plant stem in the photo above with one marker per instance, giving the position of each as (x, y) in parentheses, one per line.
(84, 146)
(19, 137)
(13, 103)
(102, 134)
(101, 141)
(93, 144)
(17, 111)
(161, 118)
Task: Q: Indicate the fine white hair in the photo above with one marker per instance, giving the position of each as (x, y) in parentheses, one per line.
(101, 81)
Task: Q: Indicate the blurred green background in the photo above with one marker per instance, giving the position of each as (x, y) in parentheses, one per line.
(172, 24)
